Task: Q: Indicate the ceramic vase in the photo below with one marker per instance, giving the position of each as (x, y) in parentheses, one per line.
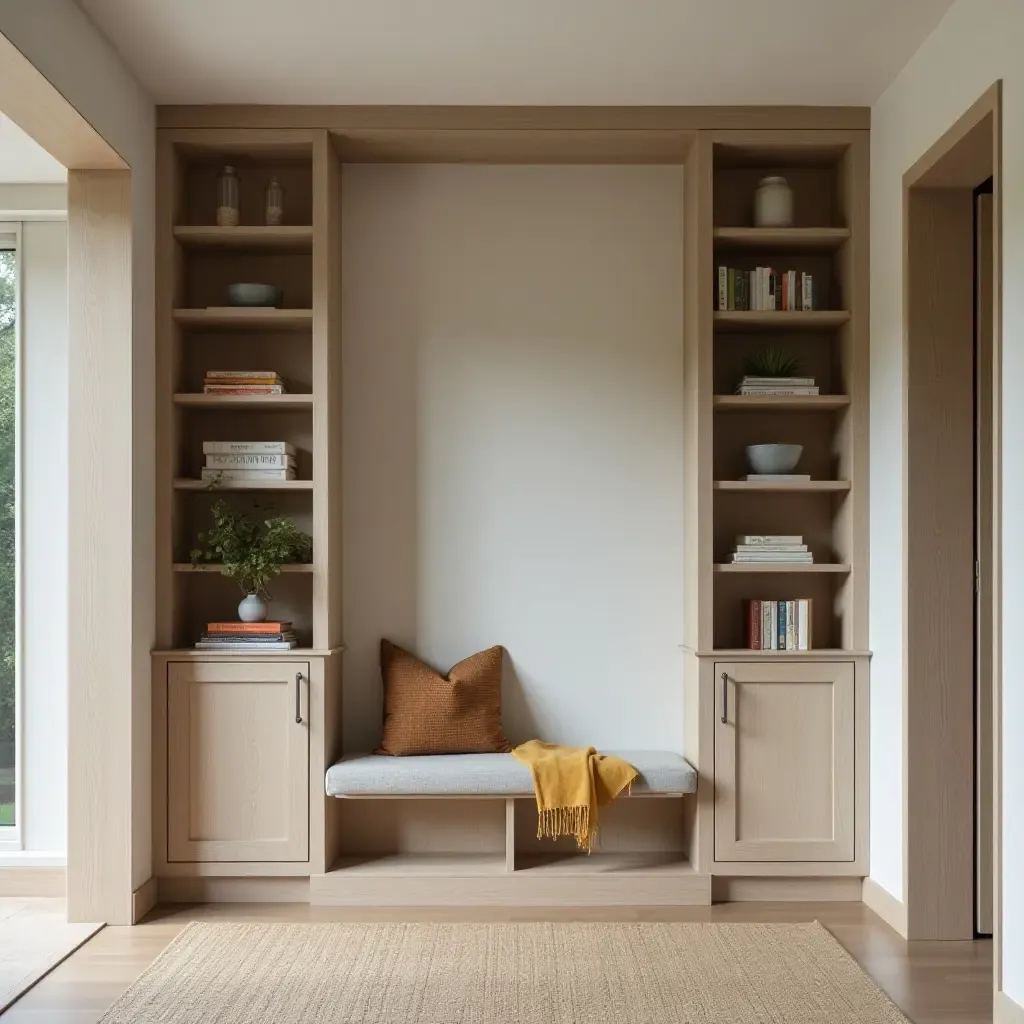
(252, 608)
(773, 204)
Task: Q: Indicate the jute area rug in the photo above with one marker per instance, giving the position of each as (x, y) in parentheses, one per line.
(492, 974)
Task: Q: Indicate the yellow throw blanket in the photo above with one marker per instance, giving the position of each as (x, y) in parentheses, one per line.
(571, 783)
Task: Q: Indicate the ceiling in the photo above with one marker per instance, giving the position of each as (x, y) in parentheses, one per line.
(690, 52)
(23, 161)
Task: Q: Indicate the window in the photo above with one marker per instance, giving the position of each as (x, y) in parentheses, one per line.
(9, 337)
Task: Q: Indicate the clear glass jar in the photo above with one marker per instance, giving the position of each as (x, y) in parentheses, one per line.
(228, 197)
(274, 207)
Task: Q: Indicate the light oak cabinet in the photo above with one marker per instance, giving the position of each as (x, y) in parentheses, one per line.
(237, 761)
(784, 756)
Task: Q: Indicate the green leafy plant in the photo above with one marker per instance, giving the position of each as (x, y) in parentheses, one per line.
(250, 549)
(772, 362)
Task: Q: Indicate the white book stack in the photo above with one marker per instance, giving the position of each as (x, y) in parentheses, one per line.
(751, 385)
(248, 461)
(768, 549)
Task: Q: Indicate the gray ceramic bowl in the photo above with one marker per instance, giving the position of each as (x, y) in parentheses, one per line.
(774, 458)
(253, 295)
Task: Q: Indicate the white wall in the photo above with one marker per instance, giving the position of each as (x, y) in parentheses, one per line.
(513, 439)
(44, 534)
(65, 46)
(976, 43)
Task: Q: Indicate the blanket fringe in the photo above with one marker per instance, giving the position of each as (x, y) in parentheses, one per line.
(567, 821)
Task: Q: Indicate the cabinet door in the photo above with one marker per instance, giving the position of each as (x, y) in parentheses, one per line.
(237, 761)
(784, 762)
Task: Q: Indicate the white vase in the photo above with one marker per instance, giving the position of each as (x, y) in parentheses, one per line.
(773, 204)
(252, 608)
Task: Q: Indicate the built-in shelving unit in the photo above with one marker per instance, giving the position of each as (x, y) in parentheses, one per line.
(199, 331)
(827, 239)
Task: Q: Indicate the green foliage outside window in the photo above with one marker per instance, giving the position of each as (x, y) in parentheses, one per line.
(8, 348)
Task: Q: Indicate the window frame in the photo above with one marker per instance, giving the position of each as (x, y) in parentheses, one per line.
(12, 836)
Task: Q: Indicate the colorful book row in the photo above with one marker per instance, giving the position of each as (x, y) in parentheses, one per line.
(779, 625)
(763, 289)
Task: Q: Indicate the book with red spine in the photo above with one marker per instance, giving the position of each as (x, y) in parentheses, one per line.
(754, 624)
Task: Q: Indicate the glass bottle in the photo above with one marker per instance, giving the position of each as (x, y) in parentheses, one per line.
(228, 193)
(274, 209)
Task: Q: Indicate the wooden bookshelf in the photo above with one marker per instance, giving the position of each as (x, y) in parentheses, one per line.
(261, 402)
(828, 239)
(283, 238)
(784, 486)
(256, 318)
(197, 331)
(186, 484)
(785, 240)
(763, 321)
(780, 403)
(779, 567)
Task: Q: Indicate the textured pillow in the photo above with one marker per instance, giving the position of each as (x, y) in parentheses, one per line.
(428, 713)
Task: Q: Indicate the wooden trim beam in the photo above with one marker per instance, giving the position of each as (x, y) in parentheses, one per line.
(491, 118)
(32, 102)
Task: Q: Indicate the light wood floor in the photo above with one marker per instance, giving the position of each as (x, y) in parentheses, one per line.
(933, 982)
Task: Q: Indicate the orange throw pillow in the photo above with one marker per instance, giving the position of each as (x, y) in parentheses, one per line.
(428, 713)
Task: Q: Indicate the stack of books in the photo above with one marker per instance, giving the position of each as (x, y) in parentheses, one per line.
(779, 625)
(250, 637)
(751, 385)
(767, 549)
(243, 382)
(248, 461)
(764, 288)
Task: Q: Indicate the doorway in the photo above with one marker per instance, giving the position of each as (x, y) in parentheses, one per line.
(952, 408)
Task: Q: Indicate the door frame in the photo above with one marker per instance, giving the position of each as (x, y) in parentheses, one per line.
(938, 278)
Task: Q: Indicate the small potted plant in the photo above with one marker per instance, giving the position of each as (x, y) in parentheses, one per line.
(250, 550)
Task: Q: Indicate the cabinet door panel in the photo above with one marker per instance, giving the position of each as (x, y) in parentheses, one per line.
(784, 762)
(238, 762)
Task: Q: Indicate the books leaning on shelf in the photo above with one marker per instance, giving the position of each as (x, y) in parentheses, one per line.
(764, 288)
(779, 625)
(770, 549)
(751, 385)
(251, 461)
(243, 382)
(250, 637)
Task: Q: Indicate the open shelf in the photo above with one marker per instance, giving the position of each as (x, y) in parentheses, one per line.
(780, 403)
(185, 484)
(823, 239)
(214, 567)
(779, 567)
(451, 865)
(281, 238)
(790, 486)
(267, 402)
(780, 319)
(603, 863)
(251, 317)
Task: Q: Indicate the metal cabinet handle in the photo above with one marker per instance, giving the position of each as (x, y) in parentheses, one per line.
(725, 698)
(298, 698)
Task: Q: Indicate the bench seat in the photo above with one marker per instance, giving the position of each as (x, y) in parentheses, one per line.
(474, 775)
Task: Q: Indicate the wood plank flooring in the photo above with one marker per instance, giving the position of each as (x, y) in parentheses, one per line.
(932, 982)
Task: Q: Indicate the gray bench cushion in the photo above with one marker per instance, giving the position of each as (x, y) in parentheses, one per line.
(484, 775)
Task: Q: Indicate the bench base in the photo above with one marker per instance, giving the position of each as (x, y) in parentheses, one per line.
(456, 880)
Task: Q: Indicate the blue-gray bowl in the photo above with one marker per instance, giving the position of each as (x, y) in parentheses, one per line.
(774, 458)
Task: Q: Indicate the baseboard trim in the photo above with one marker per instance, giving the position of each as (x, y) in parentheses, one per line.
(1006, 1011)
(785, 890)
(233, 890)
(144, 899)
(41, 881)
(891, 910)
